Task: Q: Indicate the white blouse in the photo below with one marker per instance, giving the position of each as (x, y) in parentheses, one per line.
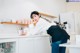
(40, 28)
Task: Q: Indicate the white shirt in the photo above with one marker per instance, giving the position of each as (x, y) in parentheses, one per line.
(40, 28)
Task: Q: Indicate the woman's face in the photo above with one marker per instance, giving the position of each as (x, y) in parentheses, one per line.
(35, 17)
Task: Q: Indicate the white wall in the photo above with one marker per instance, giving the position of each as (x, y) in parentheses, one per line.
(53, 7)
(69, 18)
(75, 8)
(22, 8)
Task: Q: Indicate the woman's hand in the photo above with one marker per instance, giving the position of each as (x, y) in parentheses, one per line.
(34, 22)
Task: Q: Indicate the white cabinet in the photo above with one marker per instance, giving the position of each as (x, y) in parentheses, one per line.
(8, 46)
(26, 44)
(34, 45)
(42, 45)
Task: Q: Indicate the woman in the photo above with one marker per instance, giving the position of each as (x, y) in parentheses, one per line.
(43, 27)
(59, 36)
(40, 25)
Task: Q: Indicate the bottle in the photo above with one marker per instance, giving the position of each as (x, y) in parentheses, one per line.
(22, 32)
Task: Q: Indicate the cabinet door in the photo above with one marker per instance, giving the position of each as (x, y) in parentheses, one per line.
(42, 45)
(34, 45)
(26, 45)
(9, 45)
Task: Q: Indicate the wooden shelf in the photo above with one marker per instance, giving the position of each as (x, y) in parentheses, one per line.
(43, 14)
(13, 23)
(47, 15)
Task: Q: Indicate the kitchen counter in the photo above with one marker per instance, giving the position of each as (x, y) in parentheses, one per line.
(28, 43)
(73, 48)
(70, 45)
(22, 36)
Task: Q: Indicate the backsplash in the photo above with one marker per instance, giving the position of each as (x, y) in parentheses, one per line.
(6, 29)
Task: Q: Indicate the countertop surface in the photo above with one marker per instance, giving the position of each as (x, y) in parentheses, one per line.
(22, 36)
(71, 45)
